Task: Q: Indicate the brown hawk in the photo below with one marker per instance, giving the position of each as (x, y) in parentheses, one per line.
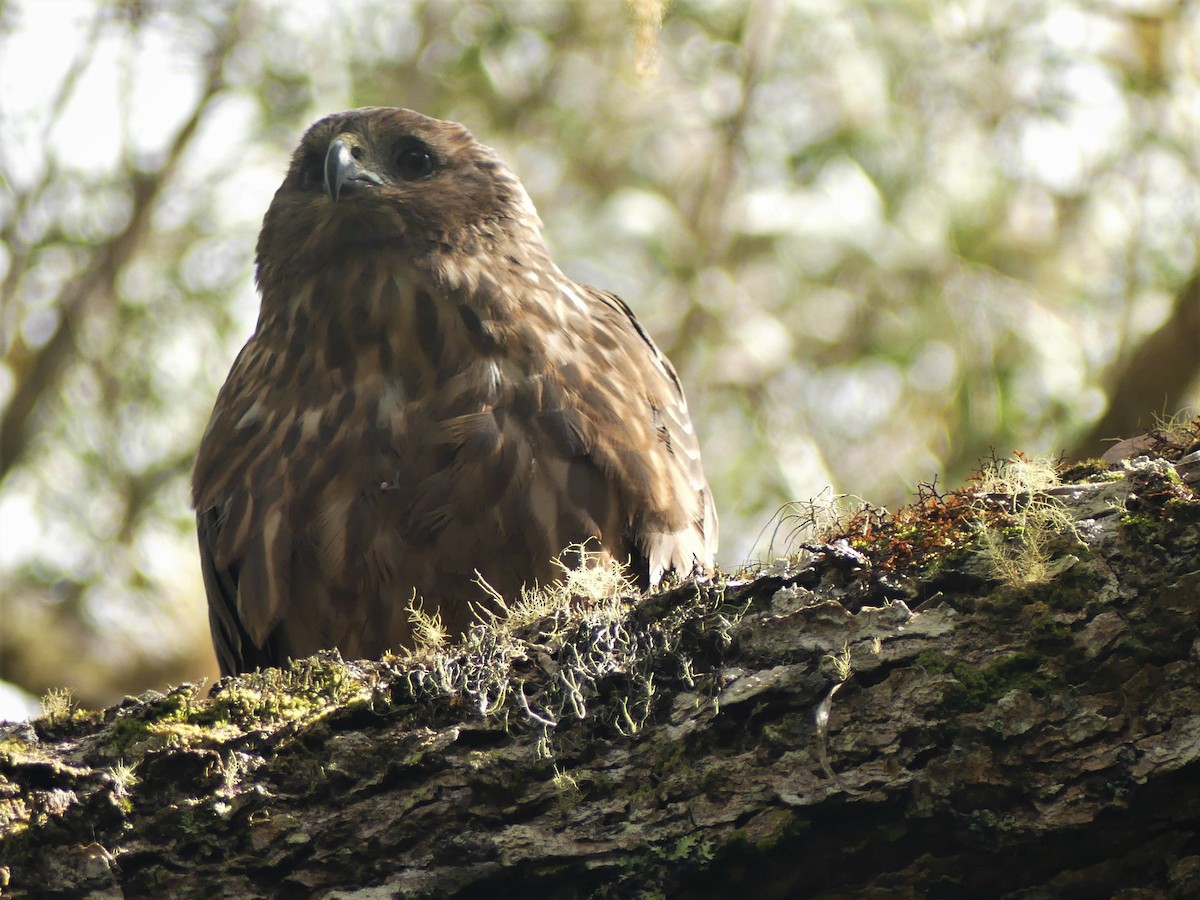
(427, 400)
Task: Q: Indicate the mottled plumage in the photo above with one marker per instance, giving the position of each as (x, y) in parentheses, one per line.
(426, 395)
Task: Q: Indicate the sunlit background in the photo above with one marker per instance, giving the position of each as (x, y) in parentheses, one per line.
(878, 240)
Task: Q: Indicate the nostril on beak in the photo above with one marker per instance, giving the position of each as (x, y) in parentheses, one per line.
(344, 173)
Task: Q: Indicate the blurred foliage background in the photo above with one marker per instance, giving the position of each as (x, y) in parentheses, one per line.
(878, 239)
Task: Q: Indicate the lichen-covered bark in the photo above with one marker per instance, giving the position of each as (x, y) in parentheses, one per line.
(1017, 713)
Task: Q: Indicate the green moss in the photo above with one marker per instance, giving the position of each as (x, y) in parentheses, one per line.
(1070, 593)
(260, 700)
(980, 686)
(690, 847)
(1044, 630)
(671, 760)
(126, 733)
(1142, 529)
(154, 725)
(1090, 471)
(276, 696)
(1159, 521)
(953, 559)
(932, 662)
(1183, 510)
(16, 748)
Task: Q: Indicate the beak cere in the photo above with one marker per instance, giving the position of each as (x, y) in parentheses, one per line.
(343, 173)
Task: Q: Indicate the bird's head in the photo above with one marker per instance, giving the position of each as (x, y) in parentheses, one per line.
(378, 177)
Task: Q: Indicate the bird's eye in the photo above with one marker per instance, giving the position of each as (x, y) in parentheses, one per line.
(415, 162)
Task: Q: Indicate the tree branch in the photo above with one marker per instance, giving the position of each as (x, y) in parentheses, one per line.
(36, 371)
(1012, 709)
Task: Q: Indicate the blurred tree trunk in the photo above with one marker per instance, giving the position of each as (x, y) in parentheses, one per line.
(848, 726)
(38, 369)
(1156, 377)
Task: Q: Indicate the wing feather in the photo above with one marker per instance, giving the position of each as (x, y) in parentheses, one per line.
(674, 525)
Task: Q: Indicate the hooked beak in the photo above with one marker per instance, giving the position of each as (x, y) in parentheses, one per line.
(343, 173)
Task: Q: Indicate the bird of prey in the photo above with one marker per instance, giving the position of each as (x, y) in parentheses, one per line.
(427, 401)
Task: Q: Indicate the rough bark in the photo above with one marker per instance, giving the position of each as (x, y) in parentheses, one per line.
(1020, 717)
